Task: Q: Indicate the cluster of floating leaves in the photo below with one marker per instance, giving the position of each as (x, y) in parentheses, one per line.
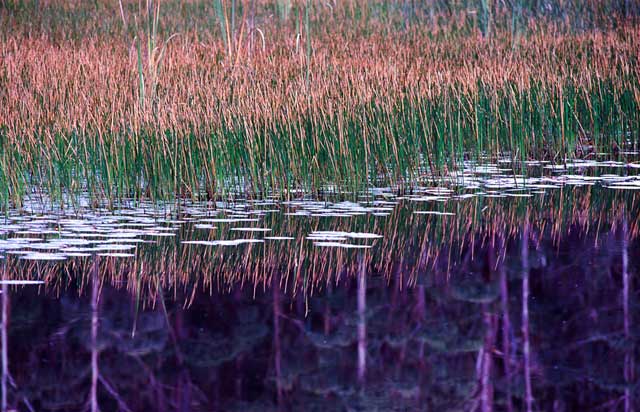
(59, 237)
(498, 180)
(43, 236)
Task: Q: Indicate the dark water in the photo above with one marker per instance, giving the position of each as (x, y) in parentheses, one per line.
(508, 299)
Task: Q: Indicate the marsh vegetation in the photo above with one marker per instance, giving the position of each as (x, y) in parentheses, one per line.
(303, 205)
(197, 99)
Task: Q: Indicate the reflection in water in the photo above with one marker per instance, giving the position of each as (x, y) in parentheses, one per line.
(5, 342)
(630, 344)
(507, 361)
(413, 245)
(526, 347)
(95, 297)
(508, 304)
(362, 319)
(275, 287)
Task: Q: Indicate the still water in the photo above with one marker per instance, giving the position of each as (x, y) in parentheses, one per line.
(486, 291)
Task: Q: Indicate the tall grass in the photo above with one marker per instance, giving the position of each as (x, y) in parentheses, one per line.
(232, 36)
(366, 100)
(147, 21)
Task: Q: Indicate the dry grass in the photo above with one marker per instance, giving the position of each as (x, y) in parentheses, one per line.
(53, 87)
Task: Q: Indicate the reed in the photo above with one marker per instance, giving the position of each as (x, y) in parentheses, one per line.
(375, 95)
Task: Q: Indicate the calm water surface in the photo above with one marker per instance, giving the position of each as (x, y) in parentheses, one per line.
(488, 291)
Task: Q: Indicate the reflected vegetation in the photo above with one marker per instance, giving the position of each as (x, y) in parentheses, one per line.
(492, 295)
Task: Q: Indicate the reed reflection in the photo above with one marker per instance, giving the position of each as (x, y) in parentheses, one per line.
(516, 307)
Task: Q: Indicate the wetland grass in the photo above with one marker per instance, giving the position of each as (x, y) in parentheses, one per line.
(346, 96)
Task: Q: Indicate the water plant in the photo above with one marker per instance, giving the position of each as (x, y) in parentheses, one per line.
(344, 96)
(231, 36)
(149, 68)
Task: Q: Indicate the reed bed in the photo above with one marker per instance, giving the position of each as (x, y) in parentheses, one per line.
(309, 97)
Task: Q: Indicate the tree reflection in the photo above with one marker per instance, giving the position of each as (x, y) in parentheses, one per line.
(95, 371)
(526, 345)
(5, 342)
(525, 309)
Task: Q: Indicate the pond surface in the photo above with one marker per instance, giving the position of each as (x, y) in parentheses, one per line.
(485, 291)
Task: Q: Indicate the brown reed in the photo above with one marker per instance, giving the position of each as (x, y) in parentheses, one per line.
(367, 104)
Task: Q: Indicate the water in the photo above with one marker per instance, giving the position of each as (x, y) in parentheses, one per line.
(481, 291)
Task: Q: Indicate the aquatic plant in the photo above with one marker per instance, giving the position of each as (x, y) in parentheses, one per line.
(147, 251)
(373, 96)
(149, 68)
